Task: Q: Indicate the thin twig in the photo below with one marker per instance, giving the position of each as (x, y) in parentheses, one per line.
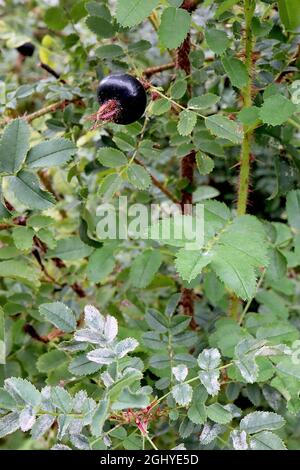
(52, 72)
(52, 108)
(158, 69)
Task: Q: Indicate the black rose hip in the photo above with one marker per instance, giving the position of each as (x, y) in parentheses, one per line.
(122, 99)
(26, 49)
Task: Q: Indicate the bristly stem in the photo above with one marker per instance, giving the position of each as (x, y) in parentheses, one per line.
(188, 161)
(246, 145)
(243, 190)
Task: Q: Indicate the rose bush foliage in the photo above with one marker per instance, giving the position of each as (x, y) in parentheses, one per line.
(142, 344)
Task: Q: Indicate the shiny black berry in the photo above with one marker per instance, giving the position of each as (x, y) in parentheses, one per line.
(123, 96)
(26, 49)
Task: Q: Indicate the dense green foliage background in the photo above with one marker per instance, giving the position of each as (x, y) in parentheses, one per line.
(192, 348)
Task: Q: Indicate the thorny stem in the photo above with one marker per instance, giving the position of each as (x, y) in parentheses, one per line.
(246, 144)
(158, 69)
(52, 108)
(243, 190)
(188, 161)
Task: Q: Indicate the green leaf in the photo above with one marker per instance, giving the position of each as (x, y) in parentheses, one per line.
(55, 18)
(178, 89)
(23, 391)
(4, 213)
(276, 110)
(109, 51)
(289, 12)
(226, 336)
(203, 102)
(232, 260)
(156, 320)
(20, 270)
(236, 71)
(111, 157)
(81, 366)
(132, 12)
(127, 381)
(101, 27)
(98, 9)
(138, 176)
(279, 332)
(217, 40)
(14, 146)
(223, 127)
(261, 421)
(51, 360)
(235, 271)
(160, 106)
(144, 268)
(128, 399)
(23, 237)
(99, 418)
(187, 122)
(212, 147)
(70, 249)
(177, 230)
(78, 10)
(175, 3)
(209, 359)
(205, 164)
(61, 399)
(174, 27)
(38, 221)
(109, 186)
(218, 413)
(59, 315)
(8, 252)
(139, 47)
(210, 380)
(225, 6)
(51, 153)
(7, 402)
(101, 264)
(289, 367)
(9, 424)
(26, 189)
(189, 263)
(160, 361)
(266, 440)
(249, 116)
(197, 411)
(261, 28)
(293, 208)
(277, 266)
(182, 394)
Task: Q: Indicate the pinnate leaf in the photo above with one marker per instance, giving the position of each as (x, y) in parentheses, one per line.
(174, 27)
(51, 153)
(132, 12)
(14, 145)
